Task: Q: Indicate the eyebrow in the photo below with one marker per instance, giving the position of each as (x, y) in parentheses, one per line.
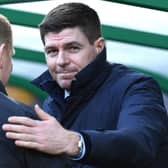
(65, 45)
(48, 47)
(73, 43)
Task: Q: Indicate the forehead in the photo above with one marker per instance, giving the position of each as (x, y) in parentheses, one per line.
(67, 35)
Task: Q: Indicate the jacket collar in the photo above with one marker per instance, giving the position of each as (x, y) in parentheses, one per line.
(91, 71)
(2, 88)
(47, 84)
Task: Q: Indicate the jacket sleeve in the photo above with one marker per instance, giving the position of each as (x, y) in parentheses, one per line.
(141, 127)
(10, 155)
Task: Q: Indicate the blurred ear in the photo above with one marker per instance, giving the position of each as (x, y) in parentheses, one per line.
(99, 44)
(2, 47)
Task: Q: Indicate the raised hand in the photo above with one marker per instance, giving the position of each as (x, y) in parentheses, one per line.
(46, 135)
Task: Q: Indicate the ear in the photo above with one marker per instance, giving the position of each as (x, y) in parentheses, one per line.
(2, 47)
(99, 44)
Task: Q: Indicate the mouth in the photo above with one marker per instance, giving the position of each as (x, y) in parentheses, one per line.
(67, 75)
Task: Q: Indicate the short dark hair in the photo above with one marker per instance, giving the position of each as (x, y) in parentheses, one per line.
(69, 15)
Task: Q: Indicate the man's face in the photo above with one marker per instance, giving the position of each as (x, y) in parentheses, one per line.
(67, 52)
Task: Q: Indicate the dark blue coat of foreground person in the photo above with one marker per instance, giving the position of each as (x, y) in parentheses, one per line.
(97, 114)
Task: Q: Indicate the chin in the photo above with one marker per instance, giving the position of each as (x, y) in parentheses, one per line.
(66, 85)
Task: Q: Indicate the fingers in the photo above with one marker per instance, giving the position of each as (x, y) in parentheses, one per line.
(20, 127)
(22, 121)
(17, 128)
(19, 132)
(34, 134)
(42, 114)
(28, 144)
(21, 137)
(31, 145)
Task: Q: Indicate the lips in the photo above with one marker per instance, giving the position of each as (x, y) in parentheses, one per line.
(67, 75)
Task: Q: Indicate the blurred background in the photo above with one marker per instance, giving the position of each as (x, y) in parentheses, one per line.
(136, 34)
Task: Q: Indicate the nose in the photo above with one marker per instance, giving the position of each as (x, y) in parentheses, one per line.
(62, 58)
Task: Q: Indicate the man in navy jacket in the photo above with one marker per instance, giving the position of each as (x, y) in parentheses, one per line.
(98, 114)
(11, 155)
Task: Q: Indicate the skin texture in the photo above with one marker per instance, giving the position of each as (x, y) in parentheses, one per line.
(46, 135)
(5, 63)
(66, 52)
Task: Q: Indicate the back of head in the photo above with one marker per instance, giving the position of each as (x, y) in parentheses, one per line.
(5, 32)
(70, 15)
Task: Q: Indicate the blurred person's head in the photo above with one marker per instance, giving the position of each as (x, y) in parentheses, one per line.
(71, 34)
(6, 49)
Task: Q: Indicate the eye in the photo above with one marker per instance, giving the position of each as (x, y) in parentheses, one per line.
(74, 49)
(51, 52)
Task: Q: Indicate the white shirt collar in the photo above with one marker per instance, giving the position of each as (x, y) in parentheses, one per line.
(66, 93)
